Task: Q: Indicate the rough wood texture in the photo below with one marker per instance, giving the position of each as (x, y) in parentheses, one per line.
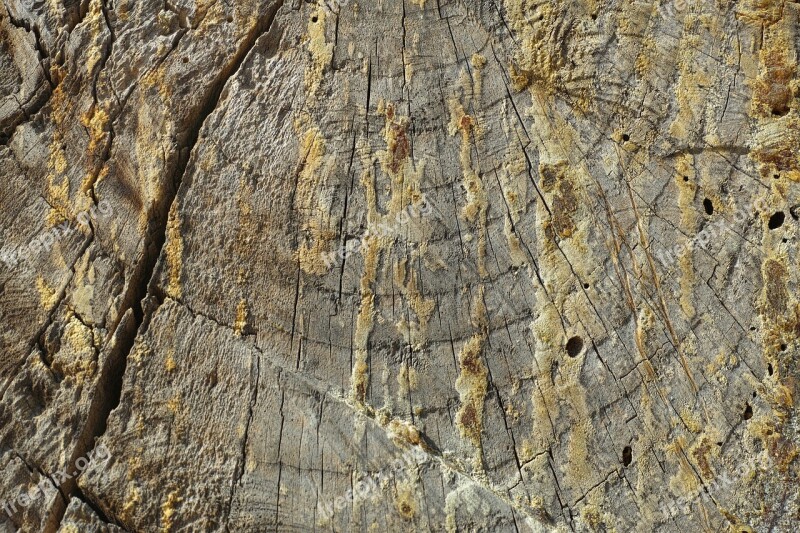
(399, 265)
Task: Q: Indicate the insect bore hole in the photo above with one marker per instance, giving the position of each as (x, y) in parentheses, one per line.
(574, 346)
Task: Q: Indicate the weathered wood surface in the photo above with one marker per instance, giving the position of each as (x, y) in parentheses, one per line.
(404, 265)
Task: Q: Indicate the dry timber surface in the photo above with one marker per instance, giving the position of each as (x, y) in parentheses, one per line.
(399, 265)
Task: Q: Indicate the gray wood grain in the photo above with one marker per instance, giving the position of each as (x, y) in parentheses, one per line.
(406, 265)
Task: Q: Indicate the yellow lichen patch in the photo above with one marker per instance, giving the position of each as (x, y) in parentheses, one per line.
(132, 500)
(564, 224)
(174, 404)
(538, 58)
(360, 378)
(47, 295)
(395, 159)
(77, 357)
(547, 333)
(247, 228)
(421, 306)
(207, 13)
(404, 174)
(760, 12)
(564, 202)
(403, 431)
(647, 53)
(621, 137)
(174, 253)
(554, 49)
(519, 79)
(321, 52)
(701, 452)
(715, 366)
(471, 386)
(577, 470)
(687, 282)
(402, 208)
(311, 252)
(168, 510)
(690, 96)
(780, 314)
(242, 314)
(692, 420)
(478, 63)
(686, 179)
(404, 501)
(58, 187)
(169, 364)
(478, 316)
(773, 91)
(96, 122)
(156, 78)
(381, 231)
(511, 411)
(83, 295)
(140, 352)
(775, 295)
(775, 148)
(684, 481)
(781, 396)
(148, 181)
(407, 379)
(310, 203)
(96, 22)
(645, 466)
(781, 448)
(476, 209)
(593, 514)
